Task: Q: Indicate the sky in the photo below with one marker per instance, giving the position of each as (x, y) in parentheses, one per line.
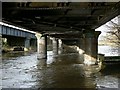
(104, 29)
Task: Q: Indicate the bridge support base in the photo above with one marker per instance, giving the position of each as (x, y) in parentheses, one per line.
(0, 46)
(81, 48)
(55, 46)
(60, 46)
(91, 47)
(41, 46)
(27, 44)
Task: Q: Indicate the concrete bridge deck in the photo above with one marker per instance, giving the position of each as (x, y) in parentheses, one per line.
(73, 21)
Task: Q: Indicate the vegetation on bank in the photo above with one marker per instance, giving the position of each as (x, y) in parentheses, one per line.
(7, 48)
(112, 37)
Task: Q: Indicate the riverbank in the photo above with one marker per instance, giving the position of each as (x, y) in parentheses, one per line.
(17, 49)
(14, 54)
(112, 59)
(109, 51)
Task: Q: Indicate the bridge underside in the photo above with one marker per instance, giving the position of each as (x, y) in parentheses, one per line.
(73, 21)
(59, 18)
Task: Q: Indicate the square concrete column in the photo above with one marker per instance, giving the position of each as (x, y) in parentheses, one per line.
(0, 48)
(1, 55)
(55, 46)
(41, 46)
(91, 47)
(27, 44)
(60, 46)
(81, 48)
(81, 45)
(33, 44)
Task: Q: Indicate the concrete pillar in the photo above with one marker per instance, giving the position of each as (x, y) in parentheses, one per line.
(81, 45)
(33, 44)
(91, 47)
(0, 47)
(60, 46)
(55, 46)
(41, 46)
(1, 55)
(27, 44)
(81, 49)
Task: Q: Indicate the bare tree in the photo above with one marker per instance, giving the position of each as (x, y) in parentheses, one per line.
(113, 33)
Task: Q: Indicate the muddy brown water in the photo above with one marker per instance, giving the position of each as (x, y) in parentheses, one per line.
(24, 70)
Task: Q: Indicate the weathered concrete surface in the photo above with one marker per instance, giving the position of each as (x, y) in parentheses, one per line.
(41, 46)
(27, 44)
(55, 46)
(91, 47)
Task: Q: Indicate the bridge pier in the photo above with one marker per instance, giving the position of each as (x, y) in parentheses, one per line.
(41, 46)
(91, 47)
(0, 53)
(81, 45)
(60, 46)
(27, 44)
(55, 46)
(33, 44)
(0, 45)
(81, 49)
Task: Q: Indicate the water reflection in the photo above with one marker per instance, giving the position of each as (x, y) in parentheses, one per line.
(107, 82)
(109, 51)
(63, 71)
(14, 54)
(42, 63)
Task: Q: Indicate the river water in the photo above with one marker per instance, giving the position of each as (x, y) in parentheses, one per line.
(109, 51)
(24, 70)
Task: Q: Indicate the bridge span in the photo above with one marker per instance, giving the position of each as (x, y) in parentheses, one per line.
(18, 38)
(74, 23)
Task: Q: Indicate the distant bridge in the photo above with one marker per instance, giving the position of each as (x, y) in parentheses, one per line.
(16, 32)
(17, 37)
